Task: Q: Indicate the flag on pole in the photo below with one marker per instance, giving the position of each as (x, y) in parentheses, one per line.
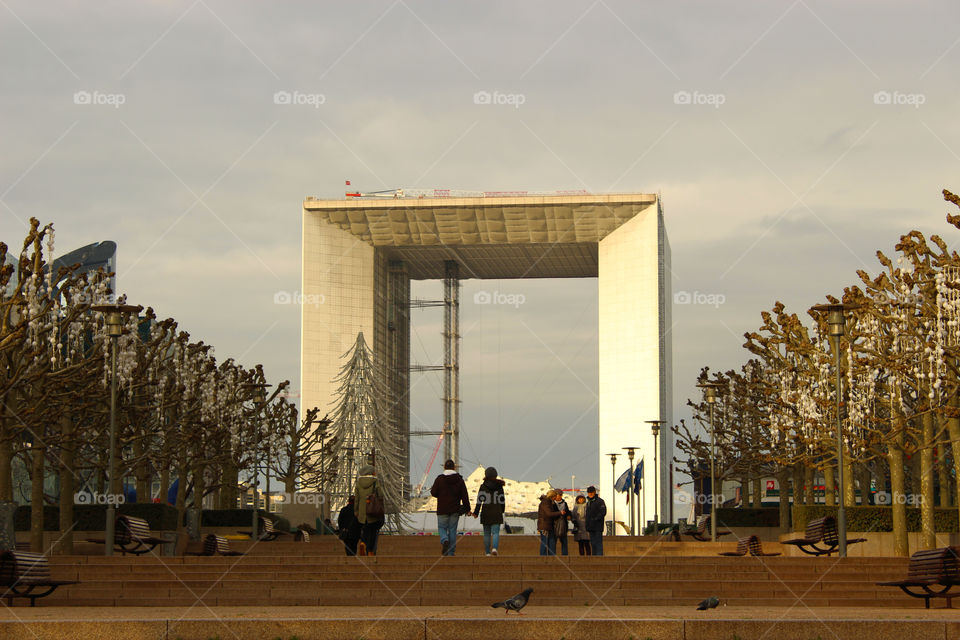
(638, 477)
(623, 482)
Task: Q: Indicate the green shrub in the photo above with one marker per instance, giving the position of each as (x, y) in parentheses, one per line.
(874, 518)
(160, 517)
(748, 517)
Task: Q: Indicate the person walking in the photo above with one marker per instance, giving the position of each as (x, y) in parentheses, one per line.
(579, 517)
(349, 527)
(561, 527)
(490, 506)
(596, 513)
(367, 486)
(547, 515)
(452, 501)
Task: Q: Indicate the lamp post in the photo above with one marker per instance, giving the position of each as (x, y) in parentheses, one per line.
(630, 453)
(113, 322)
(836, 322)
(710, 394)
(613, 489)
(655, 427)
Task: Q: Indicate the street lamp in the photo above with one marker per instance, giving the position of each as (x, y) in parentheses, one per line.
(710, 394)
(630, 451)
(655, 427)
(113, 323)
(613, 489)
(836, 322)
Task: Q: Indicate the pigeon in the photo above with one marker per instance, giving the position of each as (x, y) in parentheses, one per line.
(515, 603)
(709, 603)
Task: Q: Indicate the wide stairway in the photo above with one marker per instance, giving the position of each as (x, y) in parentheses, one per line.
(409, 571)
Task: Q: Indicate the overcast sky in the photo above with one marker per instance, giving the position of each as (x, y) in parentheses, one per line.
(789, 141)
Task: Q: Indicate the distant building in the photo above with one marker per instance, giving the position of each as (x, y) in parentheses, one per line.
(92, 257)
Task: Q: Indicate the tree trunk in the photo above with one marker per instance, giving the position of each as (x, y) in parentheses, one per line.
(953, 429)
(943, 476)
(757, 497)
(6, 450)
(37, 457)
(229, 490)
(809, 475)
(865, 482)
(829, 488)
(849, 494)
(67, 455)
(901, 546)
(783, 479)
(929, 536)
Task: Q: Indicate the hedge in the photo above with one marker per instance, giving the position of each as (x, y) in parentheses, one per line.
(160, 517)
(748, 517)
(874, 518)
(239, 518)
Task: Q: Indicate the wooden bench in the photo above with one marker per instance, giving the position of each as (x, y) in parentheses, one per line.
(933, 573)
(21, 572)
(132, 535)
(215, 545)
(302, 535)
(702, 531)
(821, 531)
(267, 531)
(748, 546)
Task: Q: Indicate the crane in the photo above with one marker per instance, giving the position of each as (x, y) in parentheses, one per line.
(426, 471)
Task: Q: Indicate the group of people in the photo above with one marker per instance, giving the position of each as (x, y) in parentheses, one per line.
(555, 519)
(360, 529)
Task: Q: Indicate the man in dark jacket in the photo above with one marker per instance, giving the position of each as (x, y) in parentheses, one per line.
(349, 528)
(490, 506)
(596, 513)
(452, 499)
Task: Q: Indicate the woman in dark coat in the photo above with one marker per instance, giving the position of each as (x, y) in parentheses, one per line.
(547, 516)
(490, 505)
(580, 533)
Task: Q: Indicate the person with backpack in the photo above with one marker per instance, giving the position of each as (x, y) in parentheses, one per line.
(452, 501)
(368, 507)
(490, 506)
